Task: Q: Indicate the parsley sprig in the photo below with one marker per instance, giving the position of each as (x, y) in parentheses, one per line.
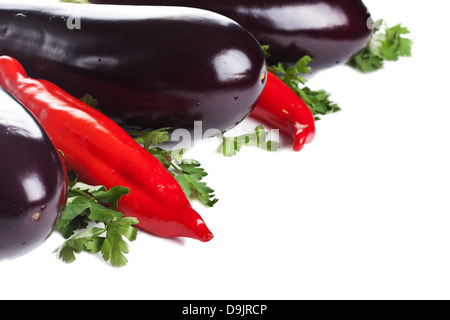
(188, 172)
(386, 44)
(189, 175)
(88, 205)
(317, 100)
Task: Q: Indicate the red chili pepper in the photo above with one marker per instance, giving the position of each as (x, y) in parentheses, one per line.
(282, 108)
(103, 154)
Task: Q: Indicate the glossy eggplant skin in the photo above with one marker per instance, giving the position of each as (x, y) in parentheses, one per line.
(33, 184)
(148, 67)
(329, 31)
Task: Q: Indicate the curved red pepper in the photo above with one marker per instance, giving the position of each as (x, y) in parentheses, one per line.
(103, 154)
(282, 108)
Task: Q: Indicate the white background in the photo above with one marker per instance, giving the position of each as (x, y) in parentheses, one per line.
(361, 213)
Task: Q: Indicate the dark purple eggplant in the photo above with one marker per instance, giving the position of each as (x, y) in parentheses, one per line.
(148, 67)
(329, 31)
(33, 181)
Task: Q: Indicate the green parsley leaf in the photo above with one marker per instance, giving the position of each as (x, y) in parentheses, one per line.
(394, 45)
(365, 61)
(78, 244)
(318, 101)
(153, 137)
(113, 246)
(189, 177)
(265, 49)
(75, 206)
(291, 75)
(89, 100)
(164, 156)
(99, 213)
(230, 146)
(386, 44)
(111, 196)
(95, 204)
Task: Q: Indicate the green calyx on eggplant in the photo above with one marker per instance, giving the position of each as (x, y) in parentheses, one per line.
(329, 31)
(33, 184)
(148, 67)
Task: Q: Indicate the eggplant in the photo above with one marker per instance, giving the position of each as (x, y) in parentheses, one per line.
(33, 184)
(329, 31)
(148, 67)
